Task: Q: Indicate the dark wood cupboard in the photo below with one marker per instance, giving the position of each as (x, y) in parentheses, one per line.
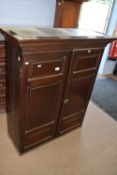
(67, 13)
(50, 76)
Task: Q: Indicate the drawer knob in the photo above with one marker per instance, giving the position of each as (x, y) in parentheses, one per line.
(26, 63)
(89, 51)
(39, 65)
(57, 68)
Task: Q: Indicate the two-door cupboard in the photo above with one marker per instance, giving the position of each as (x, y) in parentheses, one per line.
(50, 76)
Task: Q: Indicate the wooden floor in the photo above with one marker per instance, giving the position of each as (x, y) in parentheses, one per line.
(90, 150)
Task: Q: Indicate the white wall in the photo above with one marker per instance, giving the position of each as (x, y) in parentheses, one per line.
(27, 12)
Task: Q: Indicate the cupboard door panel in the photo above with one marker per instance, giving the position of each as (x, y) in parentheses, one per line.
(43, 109)
(67, 14)
(44, 96)
(79, 84)
(42, 105)
(86, 59)
(79, 93)
(74, 105)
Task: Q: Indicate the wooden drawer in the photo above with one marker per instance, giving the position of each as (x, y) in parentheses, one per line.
(45, 68)
(37, 136)
(86, 59)
(71, 122)
(48, 63)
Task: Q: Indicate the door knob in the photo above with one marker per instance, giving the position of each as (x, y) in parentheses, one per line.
(26, 63)
(66, 100)
(57, 68)
(39, 66)
(89, 51)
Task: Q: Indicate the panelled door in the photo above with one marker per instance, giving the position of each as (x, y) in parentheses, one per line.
(67, 13)
(82, 72)
(47, 73)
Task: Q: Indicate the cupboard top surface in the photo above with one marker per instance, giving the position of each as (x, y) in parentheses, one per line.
(36, 33)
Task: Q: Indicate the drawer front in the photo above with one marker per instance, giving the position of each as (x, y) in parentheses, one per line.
(38, 136)
(47, 64)
(70, 122)
(45, 68)
(86, 59)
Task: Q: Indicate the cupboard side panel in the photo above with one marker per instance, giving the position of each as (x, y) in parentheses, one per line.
(13, 93)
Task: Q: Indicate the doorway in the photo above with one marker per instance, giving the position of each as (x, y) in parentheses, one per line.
(95, 15)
